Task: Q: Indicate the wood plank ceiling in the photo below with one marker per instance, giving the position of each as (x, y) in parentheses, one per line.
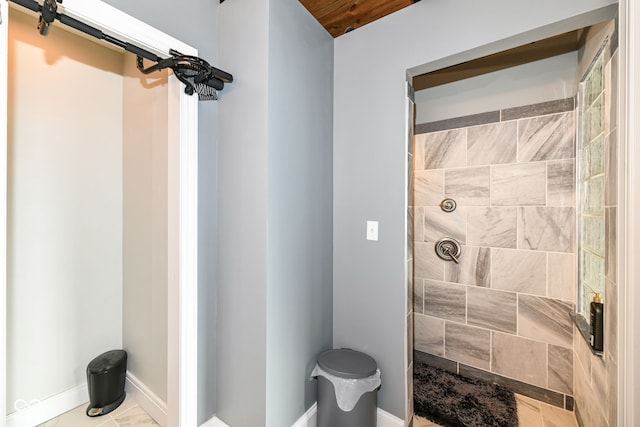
(341, 16)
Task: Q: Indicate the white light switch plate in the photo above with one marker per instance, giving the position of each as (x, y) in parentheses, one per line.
(372, 230)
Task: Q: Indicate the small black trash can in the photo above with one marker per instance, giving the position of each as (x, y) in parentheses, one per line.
(346, 368)
(105, 379)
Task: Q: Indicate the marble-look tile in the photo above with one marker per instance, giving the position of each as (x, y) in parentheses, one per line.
(593, 123)
(561, 183)
(539, 393)
(436, 361)
(474, 267)
(409, 338)
(438, 224)
(594, 82)
(611, 169)
(418, 224)
(135, 417)
(410, 230)
(418, 296)
(600, 383)
(447, 149)
(519, 271)
(508, 181)
(423, 422)
(468, 344)
(611, 319)
(592, 271)
(468, 186)
(569, 403)
(582, 356)
(588, 410)
(410, 290)
(546, 137)
(529, 365)
(543, 108)
(545, 319)
(612, 374)
(428, 187)
(75, 418)
(459, 122)
(428, 334)
(107, 423)
(493, 227)
(561, 276)
(556, 417)
(593, 196)
(529, 412)
(492, 309)
(445, 300)
(427, 265)
(611, 94)
(596, 157)
(593, 234)
(611, 253)
(560, 369)
(492, 144)
(546, 229)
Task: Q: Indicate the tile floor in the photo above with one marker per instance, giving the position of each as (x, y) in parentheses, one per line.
(128, 414)
(531, 413)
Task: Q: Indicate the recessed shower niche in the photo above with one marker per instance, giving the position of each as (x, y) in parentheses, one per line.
(92, 221)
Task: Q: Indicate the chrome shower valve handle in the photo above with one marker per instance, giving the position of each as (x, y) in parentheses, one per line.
(448, 249)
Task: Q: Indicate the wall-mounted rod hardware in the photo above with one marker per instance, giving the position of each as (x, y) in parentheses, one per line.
(448, 205)
(196, 73)
(448, 249)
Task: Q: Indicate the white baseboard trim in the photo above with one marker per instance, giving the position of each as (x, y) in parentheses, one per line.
(385, 419)
(52, 407)
(147, 400)
(309, 419)
(214, 422)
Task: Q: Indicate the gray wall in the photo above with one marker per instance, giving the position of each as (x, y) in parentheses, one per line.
(196, 23)
(370, 152)
(299, 246)
(275, 197)
(531, 83)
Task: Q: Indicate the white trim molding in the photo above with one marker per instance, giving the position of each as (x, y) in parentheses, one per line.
(146, 399)
(40, 412)
(214, 422)
(310, 419)
(629, 216)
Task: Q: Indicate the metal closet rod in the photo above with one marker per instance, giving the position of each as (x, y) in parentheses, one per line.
(48, 14)
(196, 73)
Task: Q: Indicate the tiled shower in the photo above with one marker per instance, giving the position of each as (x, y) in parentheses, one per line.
(526, 233)
(504, 308)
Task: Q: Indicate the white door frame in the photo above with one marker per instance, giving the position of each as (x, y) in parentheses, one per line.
(183, 201)
(629, 216)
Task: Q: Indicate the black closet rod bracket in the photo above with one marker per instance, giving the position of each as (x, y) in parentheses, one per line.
(195, 73)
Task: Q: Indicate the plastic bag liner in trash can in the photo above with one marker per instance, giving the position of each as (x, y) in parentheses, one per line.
(351, 376)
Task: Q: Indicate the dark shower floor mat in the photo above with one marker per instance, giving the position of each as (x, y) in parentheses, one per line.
(452, 400)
